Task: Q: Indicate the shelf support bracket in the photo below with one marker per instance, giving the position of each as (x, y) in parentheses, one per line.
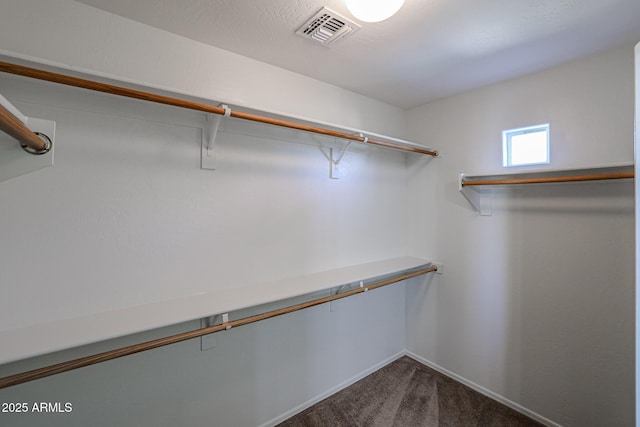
(13, 160)
(336, 171)
(480, 199)
(208, 155)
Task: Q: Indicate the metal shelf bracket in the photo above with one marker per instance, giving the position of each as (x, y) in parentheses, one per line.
(480, 198)
(336, 171)
(208, 155)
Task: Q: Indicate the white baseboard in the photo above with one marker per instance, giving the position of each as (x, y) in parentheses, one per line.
(285, 416)
(483, 390)
(290, 413)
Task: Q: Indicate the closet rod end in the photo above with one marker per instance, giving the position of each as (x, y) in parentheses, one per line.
(35, 151)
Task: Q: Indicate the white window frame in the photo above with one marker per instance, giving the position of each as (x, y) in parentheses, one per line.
(506, 144)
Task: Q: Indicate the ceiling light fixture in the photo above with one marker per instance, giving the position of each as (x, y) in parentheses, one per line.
(373, 10)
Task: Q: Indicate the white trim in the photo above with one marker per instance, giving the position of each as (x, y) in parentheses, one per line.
(290, 413)
(492, 395)
(483, 390)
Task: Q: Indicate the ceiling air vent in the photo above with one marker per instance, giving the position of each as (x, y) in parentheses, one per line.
(326, 27)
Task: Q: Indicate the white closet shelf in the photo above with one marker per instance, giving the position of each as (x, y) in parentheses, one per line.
(476, 188)
(63, 334)
(304, 125)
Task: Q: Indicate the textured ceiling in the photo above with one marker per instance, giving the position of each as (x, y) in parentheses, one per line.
(430, 49)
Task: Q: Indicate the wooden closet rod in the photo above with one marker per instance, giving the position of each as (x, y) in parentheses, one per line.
(541, 180)
(59, 368)
(13, 127)
(160, 99)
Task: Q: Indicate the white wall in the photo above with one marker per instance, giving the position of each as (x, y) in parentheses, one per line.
(536, 303)
(126, 216)
(78, 37)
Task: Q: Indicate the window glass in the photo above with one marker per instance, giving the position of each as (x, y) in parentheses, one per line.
(526, 146)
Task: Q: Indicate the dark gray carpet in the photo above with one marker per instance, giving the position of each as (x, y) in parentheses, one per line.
(406, 393)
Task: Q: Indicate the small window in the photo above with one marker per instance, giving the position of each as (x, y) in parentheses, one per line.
(525, 146)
